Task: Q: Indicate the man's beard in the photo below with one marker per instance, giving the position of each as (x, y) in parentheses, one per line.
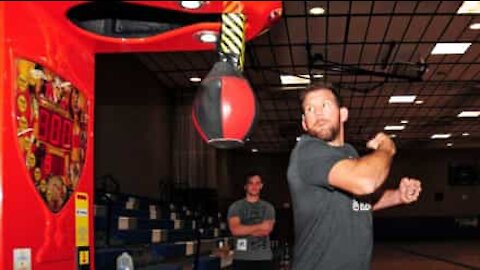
(327, 134)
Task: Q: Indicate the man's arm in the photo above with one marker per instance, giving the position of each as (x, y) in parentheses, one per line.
(408, 191)
(364, 175)
(238, 229)
(269, 218)
(270, 224)
(389, 198)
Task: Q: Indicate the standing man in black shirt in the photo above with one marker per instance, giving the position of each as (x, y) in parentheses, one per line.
(328, 182)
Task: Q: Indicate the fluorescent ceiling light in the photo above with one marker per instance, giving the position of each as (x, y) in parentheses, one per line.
(418, 101)
(469, 7)
(402, 99)
(317, 11)
(287, 88)
(298, 79)
(254, 150)
(441, 136)
(474, 26)
(393, 135)
(402, 127)
(465, 134)
(469, 114)
(290, 79)
(451, 48)
(449, 144)
(404, 121)
(195, 79)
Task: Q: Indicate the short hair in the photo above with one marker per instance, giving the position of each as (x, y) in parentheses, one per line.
(250, 175)
(318, 86)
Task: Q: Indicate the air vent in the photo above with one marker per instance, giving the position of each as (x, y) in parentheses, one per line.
(413, 71)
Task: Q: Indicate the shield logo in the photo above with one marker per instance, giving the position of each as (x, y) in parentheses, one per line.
(52, 121)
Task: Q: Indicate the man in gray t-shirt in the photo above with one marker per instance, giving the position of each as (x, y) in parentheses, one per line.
(251, 221)
(328, 184)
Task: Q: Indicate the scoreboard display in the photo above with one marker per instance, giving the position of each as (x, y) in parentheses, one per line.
(52, 122)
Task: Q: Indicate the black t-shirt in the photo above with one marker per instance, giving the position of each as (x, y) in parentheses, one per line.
(333, 229)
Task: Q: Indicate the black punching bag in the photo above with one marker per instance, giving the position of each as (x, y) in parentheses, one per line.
(225, 108)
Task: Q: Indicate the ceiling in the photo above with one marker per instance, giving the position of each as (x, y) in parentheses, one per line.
(371, 50)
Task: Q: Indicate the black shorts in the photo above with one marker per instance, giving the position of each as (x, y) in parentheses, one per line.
(252, 265)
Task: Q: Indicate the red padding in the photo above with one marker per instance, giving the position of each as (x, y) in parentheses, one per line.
(238, 107)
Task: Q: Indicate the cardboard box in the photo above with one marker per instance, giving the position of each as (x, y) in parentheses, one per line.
(155, 215)
(132, 203)
(127, 223)
(189, 248)
(178, 224)
(159, 236)
(153, 207)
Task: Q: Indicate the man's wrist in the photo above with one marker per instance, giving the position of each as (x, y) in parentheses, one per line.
(390, 152)
(398, 196)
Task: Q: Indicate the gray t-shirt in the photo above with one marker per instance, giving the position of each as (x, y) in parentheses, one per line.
(250, 247)
(333, 229)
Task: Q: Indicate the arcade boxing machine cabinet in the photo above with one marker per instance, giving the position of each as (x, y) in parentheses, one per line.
(47, 59)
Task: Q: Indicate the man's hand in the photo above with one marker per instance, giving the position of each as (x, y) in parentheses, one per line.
(383, 142)
(263, 228)
(409, 189)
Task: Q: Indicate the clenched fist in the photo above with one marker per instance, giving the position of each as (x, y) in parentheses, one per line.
(410, 190)
(382, 141)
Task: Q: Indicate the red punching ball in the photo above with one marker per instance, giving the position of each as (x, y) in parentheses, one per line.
(225, 108)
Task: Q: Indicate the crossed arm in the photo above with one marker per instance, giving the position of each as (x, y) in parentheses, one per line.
(239, 229)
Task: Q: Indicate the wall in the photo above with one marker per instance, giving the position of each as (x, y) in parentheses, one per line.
(133, 144)
(431, 166)
(132, 125)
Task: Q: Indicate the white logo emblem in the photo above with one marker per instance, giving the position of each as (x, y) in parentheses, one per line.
(360, 206)
(355, 205)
